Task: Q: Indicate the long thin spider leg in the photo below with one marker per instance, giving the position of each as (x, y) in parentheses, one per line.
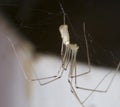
(61, 67)
(56, 78)
(70, 79)
(70, 69)
(44, 78)
(71, 64)
(74, 63)
(87, 50)
(50, 77)
(63, 11)
(65, 59)
(17, 57)
(62, 49)
(59, 74)
(100, 83)
(68, 57)
(103, 91)
(89, 89)
(75, 68)
(75, 94)
(37, 79)
(116, 71)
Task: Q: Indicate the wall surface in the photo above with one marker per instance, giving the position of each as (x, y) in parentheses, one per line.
(12, 82)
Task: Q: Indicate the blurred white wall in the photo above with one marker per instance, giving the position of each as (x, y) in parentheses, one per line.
(12, 82)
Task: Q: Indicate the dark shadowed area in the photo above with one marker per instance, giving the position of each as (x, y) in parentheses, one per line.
(39, 20)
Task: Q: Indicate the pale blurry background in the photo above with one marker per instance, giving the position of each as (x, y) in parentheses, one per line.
(12, 82)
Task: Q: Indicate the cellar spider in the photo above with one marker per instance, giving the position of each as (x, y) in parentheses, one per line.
(68, 56)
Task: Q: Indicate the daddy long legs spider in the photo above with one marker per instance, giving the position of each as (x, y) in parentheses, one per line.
(68, 59)
(68, 56)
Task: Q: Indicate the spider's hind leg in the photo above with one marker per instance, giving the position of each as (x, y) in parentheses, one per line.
(63, 67)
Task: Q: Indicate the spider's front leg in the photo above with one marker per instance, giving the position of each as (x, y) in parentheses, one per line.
(65, 56)
(59, 74)
(74, 49)
(70, 79)
(55, 77)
